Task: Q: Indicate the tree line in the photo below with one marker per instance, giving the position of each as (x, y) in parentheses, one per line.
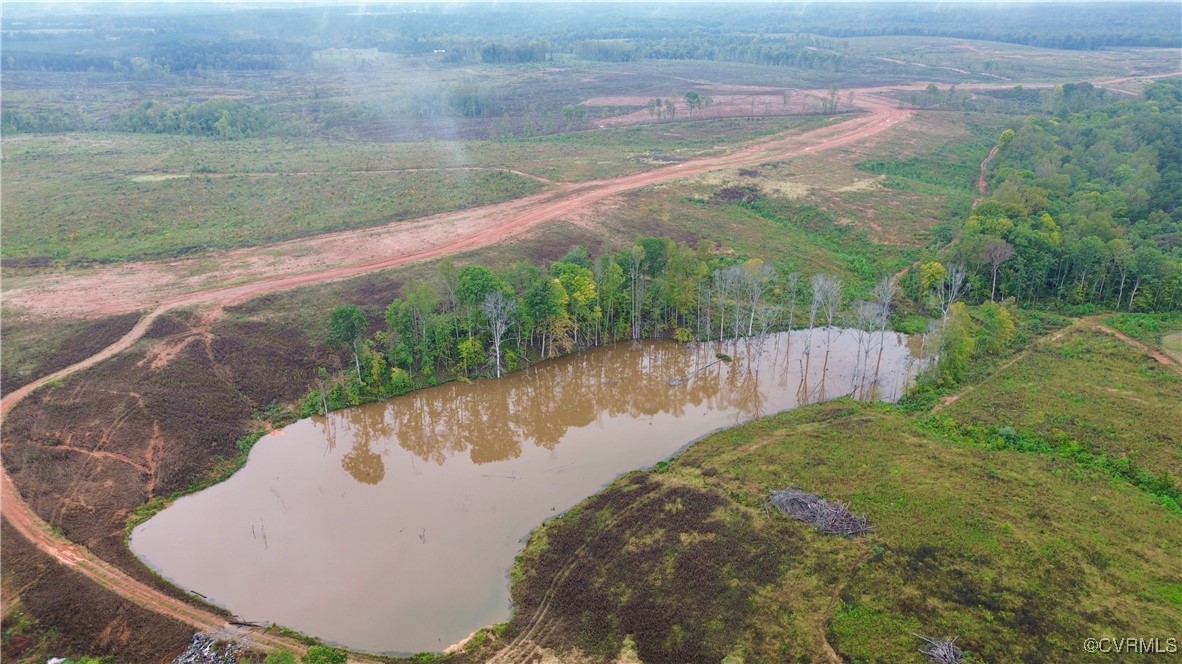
(471, 321)
(218, 117)
(803, 52)
(1086, 209)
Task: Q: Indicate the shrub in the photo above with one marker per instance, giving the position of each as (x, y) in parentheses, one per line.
(323, 655)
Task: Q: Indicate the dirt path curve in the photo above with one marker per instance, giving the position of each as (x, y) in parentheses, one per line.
(21, 517)
(234, 276)
(982, 183)
(1149, 351)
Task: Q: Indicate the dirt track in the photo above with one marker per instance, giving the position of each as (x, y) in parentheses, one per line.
(237, 276)
(234, 276)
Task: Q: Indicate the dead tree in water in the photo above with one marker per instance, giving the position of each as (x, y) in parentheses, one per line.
(828, 290)
(884, 294)
(866, 322)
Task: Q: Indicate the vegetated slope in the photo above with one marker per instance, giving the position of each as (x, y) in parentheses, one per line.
(1021, 556)
(1128, 407)
(38, 349)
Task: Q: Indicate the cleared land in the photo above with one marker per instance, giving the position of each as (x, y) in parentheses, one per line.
(150, 426)
(1127, 408)
(104, 197)
(108, 290)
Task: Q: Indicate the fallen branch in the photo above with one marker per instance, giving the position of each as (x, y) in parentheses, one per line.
(686, 378)
(941, 651)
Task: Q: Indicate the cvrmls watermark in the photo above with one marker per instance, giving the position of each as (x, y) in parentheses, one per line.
(1132, 645)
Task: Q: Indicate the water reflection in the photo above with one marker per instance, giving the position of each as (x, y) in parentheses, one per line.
(491, 420)
(390, 527)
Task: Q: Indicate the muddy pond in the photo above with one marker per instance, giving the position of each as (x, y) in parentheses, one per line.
(391, 527)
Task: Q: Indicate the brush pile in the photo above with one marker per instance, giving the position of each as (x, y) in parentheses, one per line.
(829, 518)
(205, 649)
(941, 651)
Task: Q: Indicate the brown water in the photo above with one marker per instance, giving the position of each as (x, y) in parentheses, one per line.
(391, 527)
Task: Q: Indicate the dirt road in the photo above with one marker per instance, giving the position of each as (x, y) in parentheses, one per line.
(234, 276)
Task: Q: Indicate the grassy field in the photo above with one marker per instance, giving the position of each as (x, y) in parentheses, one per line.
(1021, 556)
(1158, 329)
(1000, 63)
(1127, 408)
(117, 197)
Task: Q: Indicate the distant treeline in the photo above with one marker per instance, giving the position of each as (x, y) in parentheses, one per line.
(805, 53)
(195, 37)
(161, 57)
(1057, 101)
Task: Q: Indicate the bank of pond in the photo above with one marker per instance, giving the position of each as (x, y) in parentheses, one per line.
(390, 527)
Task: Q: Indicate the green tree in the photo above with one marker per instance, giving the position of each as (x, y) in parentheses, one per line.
(609, 288)
(346, 324)
(579, 284)
(957, 344)
(574, 112)
(545, 304)
(473, 284)
(471, 354)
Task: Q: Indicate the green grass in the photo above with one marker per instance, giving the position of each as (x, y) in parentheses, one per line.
(944, 174)
(1019, 543)
(793, 236)
(1126, 407)
(1147, 328)
(116, 197)
(90, 210)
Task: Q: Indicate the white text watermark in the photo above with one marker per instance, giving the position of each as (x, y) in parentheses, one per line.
(1131, 645)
